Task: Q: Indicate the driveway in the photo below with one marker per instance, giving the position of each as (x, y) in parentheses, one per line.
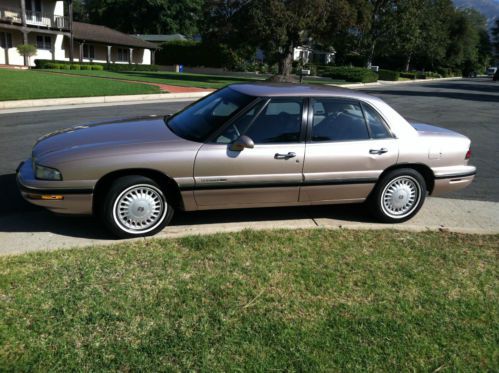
(468, 106)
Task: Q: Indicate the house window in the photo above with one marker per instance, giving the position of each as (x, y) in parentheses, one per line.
(123, 54)
(5, 40)
(43, 42)
(88, 51)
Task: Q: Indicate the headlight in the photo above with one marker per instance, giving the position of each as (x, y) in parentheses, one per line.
(47, 173)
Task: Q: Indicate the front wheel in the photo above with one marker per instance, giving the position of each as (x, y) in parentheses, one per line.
(398, 196)
(136, 206)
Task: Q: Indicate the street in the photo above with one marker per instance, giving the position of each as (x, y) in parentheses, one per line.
(469, 106)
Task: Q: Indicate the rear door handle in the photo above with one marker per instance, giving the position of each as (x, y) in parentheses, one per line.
(378, 151)
(285, 156)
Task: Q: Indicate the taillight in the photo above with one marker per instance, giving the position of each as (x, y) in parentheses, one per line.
(468, 154)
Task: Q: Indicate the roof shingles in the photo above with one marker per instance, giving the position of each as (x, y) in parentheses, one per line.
(106, 35)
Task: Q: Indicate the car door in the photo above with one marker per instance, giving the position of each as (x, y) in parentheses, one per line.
(348, 146)
(270, 173)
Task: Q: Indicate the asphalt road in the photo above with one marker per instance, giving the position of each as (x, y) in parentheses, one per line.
(467, 106)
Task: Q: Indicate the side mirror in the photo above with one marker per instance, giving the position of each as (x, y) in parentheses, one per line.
(241, 143)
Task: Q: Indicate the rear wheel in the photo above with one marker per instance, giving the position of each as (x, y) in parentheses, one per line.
(136, 206)
(398, 196)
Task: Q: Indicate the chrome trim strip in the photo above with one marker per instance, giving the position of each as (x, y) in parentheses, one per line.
(281, 184)
(453, 176)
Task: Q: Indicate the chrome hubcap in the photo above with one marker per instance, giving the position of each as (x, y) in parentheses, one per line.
(401, 196)
(139, 209)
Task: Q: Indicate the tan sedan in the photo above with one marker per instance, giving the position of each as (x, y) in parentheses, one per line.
(247, 145)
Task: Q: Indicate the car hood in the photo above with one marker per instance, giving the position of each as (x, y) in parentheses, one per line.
(110, 134)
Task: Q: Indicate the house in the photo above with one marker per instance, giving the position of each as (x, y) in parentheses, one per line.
(56, 36)
(159, 39)
(307, 54)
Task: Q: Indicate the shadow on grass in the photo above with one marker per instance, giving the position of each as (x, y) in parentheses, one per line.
(189, 77)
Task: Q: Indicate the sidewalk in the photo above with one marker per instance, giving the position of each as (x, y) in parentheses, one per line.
(21, 104)
(37, 231)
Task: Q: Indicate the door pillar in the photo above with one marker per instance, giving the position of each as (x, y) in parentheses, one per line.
(130, 55)
(71, 40)
(108, 58)
(81, 51)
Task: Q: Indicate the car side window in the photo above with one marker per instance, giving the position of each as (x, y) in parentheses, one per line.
(240, 125)
(337, 120)
(377, 125)
(278, 122)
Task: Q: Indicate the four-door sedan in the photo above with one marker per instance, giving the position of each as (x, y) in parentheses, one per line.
(247, 145)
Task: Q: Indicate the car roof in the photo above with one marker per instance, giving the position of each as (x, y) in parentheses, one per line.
(265, 89)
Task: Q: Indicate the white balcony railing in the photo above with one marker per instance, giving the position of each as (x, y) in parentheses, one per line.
(13, 15)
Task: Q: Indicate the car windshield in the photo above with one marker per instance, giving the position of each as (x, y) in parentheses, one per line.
(199, 120)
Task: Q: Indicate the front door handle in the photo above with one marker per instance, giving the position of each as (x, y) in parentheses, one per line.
(285, 156)
(378, 151)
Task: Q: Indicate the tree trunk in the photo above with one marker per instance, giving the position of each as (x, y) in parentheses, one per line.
(371, 55)
(285, 68)
(408, 62)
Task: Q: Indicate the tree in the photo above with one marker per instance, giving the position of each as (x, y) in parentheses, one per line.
(495, 38)
(277, 26)
(27, 51)
(146, 16)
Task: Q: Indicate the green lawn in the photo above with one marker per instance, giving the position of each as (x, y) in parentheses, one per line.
(308, 300)
(181, 79)
(18, 85)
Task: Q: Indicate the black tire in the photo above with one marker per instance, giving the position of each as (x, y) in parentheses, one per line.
(405, 181)
(136, 206)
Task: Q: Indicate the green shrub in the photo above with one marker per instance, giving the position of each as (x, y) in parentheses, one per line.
(97, 67)
(408, 75)
(52, 66)
(129, 67)
(388, 75)
(75, 67)
(351, 74)
(43, 64)
(65, 67)
(192, 53)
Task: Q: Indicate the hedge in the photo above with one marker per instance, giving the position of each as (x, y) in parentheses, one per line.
(388, 75)
(350, 74)
(50, 64)
(191, 53)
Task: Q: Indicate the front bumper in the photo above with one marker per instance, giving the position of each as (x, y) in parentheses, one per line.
(452, 179)
(59, 197)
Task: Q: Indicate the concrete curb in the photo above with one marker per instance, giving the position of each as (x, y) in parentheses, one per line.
(15, 104)
(41, 231)
(387, 82)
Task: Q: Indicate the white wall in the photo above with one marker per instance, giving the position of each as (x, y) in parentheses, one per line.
(146, 57)
(59, 8)
(14, 57)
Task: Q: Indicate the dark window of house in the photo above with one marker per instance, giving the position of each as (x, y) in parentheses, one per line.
(376, 124)
(88, 51)
(337, 120)
(43, 42)
(279, 122)
(5, 40)
(123, 54)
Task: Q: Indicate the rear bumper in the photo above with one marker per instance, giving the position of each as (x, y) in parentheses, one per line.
(452, 181)
(51, 195)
